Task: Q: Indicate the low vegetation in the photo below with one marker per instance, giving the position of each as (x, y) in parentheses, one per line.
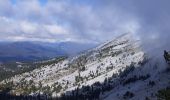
(164, 94)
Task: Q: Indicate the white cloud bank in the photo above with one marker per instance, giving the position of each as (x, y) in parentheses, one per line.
(83, 21)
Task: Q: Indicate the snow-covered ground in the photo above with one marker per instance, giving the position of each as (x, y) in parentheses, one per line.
(96, 65)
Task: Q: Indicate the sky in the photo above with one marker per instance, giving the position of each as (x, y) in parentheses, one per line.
(91, 21)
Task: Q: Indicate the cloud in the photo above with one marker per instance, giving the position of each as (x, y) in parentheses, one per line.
(20, 30)
(54, 29)
(27, 27)
(85, 21)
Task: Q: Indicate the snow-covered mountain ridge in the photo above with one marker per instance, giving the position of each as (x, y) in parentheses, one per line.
(119, 64)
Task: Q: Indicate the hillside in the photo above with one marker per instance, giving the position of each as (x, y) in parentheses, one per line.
(117, 69)
(36, 51)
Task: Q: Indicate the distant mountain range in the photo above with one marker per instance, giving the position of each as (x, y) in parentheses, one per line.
(33, 51)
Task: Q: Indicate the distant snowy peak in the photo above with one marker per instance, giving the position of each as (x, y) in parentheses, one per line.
(117, 40)
(120, 42)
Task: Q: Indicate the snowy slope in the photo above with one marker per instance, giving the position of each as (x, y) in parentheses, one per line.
(95, 65)
(142, 89)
